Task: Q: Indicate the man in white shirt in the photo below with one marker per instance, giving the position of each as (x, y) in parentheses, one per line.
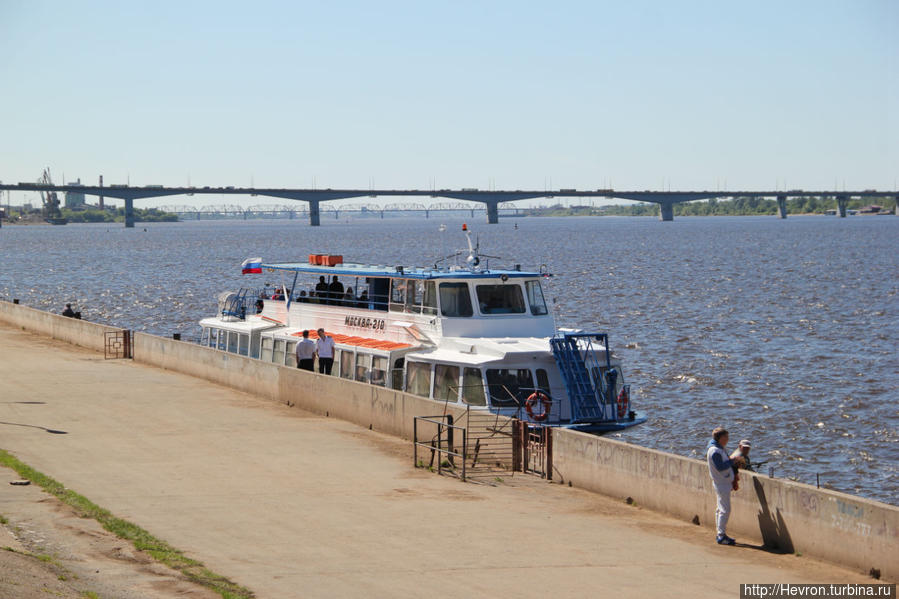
(324, 347)
(721, 469)
(306, 353)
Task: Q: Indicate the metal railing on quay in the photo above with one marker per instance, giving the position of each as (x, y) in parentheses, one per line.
(442, 444)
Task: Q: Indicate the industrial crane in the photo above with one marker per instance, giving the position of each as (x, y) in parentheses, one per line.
(50, 210)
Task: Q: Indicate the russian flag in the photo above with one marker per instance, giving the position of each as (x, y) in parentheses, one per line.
(251, 266)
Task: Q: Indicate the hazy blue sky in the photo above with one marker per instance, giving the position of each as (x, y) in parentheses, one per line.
(413, 94)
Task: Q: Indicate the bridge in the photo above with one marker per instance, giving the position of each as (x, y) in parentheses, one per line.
(314, 198)
(294, 211)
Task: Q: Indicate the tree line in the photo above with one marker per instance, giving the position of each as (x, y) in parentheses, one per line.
(743, 206)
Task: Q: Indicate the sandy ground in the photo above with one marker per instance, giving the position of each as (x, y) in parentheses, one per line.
(57, 554)
(294, 505)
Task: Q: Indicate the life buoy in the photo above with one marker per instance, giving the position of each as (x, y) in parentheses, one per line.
(623, 400)
(543, 398)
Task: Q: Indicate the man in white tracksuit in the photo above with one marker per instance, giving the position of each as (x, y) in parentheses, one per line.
(721, 469)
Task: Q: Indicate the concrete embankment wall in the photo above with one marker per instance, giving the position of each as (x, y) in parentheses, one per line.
(790, 516)
(71, 330)
(381, 409)
(793, 517)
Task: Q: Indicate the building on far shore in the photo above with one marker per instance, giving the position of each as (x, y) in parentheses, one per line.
(75, 199)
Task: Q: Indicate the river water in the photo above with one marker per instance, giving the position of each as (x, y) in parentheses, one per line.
(785, 332)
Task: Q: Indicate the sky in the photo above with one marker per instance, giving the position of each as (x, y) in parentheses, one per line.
(505, 95)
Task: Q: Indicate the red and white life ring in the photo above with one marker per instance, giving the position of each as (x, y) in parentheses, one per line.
(532, 400)
(623, 401)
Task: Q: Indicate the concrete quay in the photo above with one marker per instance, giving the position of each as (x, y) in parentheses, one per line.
(291, 504)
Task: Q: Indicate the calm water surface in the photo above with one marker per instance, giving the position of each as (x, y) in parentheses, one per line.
(785, 332)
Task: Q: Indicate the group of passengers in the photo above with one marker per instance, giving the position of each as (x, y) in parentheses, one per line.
(333, 294)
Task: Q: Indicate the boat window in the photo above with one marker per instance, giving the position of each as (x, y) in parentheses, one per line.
(378, 370)
(346, 365)
(418, 379)
(535, 298)
(455, 299)
(290, 357)
(266, 353)
(362, 367)
(429, 298)
(204, 336)
(278, 353)
(446, 383)
(396, 374)
(473, 387)
(542, 381)
(414, 291)
(398, 295)
(243, 345)
(500, 299)
(509, 387)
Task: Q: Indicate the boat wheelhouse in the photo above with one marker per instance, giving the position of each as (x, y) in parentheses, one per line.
(477, 337)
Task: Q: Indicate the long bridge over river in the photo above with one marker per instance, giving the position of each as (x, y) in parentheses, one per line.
(302, 211)
(491, 200)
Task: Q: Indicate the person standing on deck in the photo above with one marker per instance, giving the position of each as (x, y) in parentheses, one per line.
(721, 469)
(336, 291)
(324, 347)
(321, 290)
(306, 353)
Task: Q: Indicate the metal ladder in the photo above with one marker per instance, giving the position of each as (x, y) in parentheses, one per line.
(575, 356)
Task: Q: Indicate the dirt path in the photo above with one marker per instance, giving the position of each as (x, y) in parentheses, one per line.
(294, 505)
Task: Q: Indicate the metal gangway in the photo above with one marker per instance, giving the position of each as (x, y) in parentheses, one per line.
(589, 377)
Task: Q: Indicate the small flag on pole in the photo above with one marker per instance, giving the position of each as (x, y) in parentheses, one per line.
(251, 266)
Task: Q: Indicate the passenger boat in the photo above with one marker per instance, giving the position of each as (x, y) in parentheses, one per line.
(462, 334)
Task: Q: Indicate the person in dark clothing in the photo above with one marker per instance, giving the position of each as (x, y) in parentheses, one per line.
(68, 311)
(336, 289)
(321, 290)
(362, 302)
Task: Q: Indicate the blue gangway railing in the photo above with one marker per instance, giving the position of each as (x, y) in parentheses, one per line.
(582, 365)
(241, 304)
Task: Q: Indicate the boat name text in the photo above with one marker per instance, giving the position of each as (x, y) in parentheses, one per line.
(377, 324)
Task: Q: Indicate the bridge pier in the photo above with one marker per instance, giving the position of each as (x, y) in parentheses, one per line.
(314, 215)
(492, 213)
(896, 209)
(129, 213)
(841, 206)
(666, 211)
(782, 206)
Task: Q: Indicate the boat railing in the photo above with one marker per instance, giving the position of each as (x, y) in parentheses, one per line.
(242, 303)
(364, 302)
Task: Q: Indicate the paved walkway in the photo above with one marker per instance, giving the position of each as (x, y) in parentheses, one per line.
(294, 505)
